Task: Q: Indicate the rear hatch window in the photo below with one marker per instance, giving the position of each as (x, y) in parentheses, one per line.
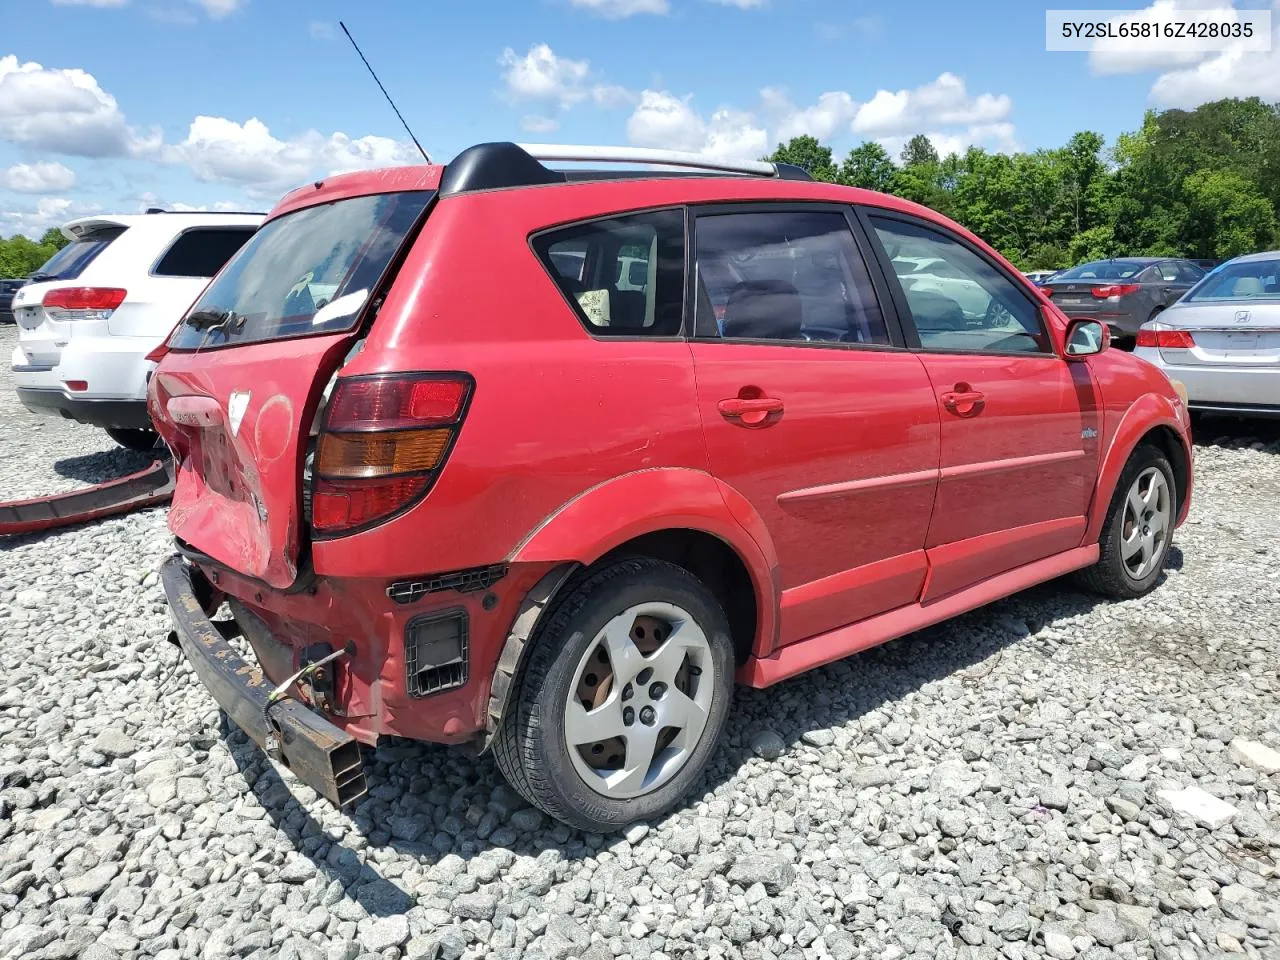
(307, 272)
(69, 262)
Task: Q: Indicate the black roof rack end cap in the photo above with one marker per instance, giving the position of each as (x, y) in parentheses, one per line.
(492, 166)
(789, 171)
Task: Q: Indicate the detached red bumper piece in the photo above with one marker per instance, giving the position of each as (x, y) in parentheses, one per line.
(318, 753)
(146, 488)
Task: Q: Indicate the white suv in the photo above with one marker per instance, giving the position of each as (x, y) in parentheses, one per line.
(88, 318)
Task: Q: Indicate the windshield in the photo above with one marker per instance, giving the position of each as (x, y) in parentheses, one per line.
(1251, 280)
(306, 272)
(70, 261)
(1102, 270)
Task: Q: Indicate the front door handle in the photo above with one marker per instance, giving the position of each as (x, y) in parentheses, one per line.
(964, 403)
(751, 411)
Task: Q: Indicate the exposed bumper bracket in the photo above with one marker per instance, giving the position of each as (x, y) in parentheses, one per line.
(315, 750)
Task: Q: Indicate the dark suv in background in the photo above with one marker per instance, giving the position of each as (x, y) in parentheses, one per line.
(1123, 293)
(8, 287)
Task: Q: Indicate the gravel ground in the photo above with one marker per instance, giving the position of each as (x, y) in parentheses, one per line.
(1050, 776)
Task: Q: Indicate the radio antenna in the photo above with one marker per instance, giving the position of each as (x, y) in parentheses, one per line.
(384, 92)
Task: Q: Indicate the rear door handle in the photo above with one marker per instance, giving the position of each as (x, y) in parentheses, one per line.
(750, 411)
(964, 402)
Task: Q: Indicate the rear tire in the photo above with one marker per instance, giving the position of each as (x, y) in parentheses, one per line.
(134, 439)
(1138, 530)
(640, 647)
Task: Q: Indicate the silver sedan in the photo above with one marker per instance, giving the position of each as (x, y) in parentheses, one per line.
(1222, 339)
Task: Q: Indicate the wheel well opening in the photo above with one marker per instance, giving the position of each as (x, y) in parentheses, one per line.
(713, 562)
(1167, 442)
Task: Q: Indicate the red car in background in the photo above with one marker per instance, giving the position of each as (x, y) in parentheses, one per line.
(460, 482)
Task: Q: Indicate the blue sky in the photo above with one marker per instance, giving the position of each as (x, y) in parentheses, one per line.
(112, 105)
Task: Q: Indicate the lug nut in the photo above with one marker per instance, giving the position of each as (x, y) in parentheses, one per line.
(657, 691)
(629, 715)
(627, 693)
(647, 716)
(644, 676)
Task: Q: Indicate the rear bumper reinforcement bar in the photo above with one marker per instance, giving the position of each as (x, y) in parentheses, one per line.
(146, 488)
(318, 753)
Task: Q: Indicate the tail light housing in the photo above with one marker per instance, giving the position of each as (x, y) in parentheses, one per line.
(384, 441)
(1114, 290)
(82, 303)
(1165, 338)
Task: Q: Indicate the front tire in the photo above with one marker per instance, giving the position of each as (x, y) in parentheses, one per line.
(133, 439)
(1138, 530)
(623, 699)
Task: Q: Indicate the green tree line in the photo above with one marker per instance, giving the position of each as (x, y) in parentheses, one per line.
(21, 256)
(1203, 183)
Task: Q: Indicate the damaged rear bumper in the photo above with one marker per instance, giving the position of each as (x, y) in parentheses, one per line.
(317, 752)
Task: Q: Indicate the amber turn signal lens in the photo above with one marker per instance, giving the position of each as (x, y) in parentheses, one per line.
(366, 455)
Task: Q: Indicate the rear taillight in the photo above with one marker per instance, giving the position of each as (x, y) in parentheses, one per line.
(1156, 335)
(384, 441)
(1114, 290)
(82, 303)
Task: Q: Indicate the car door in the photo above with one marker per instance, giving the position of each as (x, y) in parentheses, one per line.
(812, 408)
(1171, 281)
(1019, 424)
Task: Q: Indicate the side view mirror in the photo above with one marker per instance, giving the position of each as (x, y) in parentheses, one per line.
(1086, 337)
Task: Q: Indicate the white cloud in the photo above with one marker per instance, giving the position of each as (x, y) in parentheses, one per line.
(743, 4)
(666, 121)
(219, 9)
(320, 30)
(830, 114)
(621, 9)
(48, 212)
(219, 150)
(542, 76)
(89, 3)
(944, 102)
(536, 123)
(44, 176)
(149, 201)
(64, 111)
(992, 136)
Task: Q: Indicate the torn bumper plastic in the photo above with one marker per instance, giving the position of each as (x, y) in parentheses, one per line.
(146, 488)
(317, 752)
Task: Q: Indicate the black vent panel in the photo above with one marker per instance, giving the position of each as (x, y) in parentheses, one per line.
(436, 653)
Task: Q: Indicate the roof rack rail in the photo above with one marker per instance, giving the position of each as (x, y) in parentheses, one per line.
(492, 166)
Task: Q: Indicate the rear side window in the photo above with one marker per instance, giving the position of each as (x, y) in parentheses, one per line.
(201, 252)
(306, 272)
(786, 275)
(69, 262)
(623, 276)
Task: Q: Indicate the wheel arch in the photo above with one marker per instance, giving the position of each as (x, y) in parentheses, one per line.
(680, 515)
(1150, 420)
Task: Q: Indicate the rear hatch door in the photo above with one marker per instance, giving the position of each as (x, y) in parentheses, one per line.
(237, 392)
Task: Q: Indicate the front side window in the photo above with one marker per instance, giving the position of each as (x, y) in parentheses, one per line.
(623, 276)
(306, 272)
(785, 275)
(1250, 280)
(1188, 272)
(960, 301)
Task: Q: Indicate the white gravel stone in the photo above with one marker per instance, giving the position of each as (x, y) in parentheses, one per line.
(1254, 754)
(1206, 809)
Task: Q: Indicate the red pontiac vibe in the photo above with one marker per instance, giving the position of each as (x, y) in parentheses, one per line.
(546, 461)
